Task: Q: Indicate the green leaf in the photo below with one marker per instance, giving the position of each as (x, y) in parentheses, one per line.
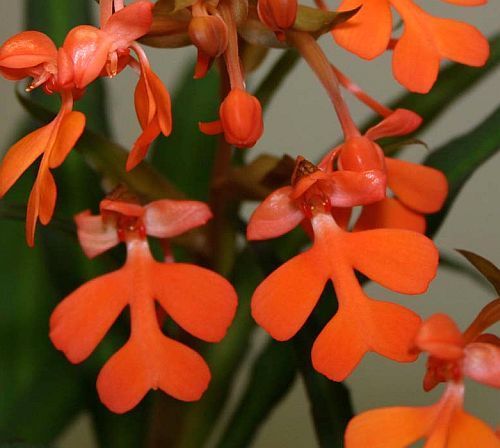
(459, 159)
(186, 156)
(224, 358)
(485, 267)
(271, 377)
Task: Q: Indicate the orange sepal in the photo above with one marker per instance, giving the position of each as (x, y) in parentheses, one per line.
(393, 427)
(368, 32)
(68, 132)
(94, 234)
(284, 300)
(200, 301)
(440, 337)
(168, 218)
(422, 188)
(467, 431)
(400, 260)
(482, 363)
(162, 363)
(84, 317)
(275, 216)
(22, 154)
(389, 213)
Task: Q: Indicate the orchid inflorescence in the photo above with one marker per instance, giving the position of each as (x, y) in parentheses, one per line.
(385, 241)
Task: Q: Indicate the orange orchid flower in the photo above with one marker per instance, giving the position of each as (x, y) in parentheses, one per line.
(400, 260)
(202, 302)
(33, 54)
(107, 51)
(424, 42)
(444, 424)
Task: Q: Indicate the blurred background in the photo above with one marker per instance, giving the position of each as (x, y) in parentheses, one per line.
(300, 121)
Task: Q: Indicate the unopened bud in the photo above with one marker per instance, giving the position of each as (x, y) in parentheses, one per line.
(278, 15)
(209, 34)
(361, 154)
(241, 118)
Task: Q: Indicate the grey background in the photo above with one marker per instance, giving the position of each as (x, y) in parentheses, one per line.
(300, 121)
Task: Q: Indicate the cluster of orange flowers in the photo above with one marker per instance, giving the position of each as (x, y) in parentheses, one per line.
(385, 242)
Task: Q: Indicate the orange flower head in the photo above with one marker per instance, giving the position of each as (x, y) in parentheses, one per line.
(198, 300)
(240, 120)
(453, 355)
(278, 15)
(400, 260)
(425, 41)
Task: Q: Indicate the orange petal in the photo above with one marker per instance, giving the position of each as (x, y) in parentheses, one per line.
(32, 214)
(395, 427)
(419, 187)
(142, 144)
(83, 318)
(368, 32)
(482, 363)
(167, 218)
(25, 50)
(275, 216)
(211, 128)
(69, 131)
(415, 60)
(162, 103)
(459, 41)
(200, 301)
(283, 301)
(88, 47)
(48, 194)
(399, 122)
(466, 431)
(400, 260)
(389, 213)
(95, 235)
(136, 368)
(130, 23)
(488, 316)
(440, 337)
(22, 154)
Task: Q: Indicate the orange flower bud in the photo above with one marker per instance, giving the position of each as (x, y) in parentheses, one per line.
(241, 117)
(209, 34)
(277, 14)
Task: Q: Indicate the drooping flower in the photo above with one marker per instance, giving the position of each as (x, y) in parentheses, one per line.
(240, 114)
(444, 424)
(400, 260)
(33, 54)
(106, 51)
(200, 301)
(425, 41)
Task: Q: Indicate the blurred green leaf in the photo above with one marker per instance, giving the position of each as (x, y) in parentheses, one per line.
(459, 159)
(489, 271)
(224, 358)
(186, 156)
(271, 377)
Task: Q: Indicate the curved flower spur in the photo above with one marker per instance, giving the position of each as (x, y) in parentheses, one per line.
(202, 302)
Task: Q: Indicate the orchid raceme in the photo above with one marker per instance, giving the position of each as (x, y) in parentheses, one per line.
(400, 260)
(425, 41)
(445, 424)
(200, 301)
